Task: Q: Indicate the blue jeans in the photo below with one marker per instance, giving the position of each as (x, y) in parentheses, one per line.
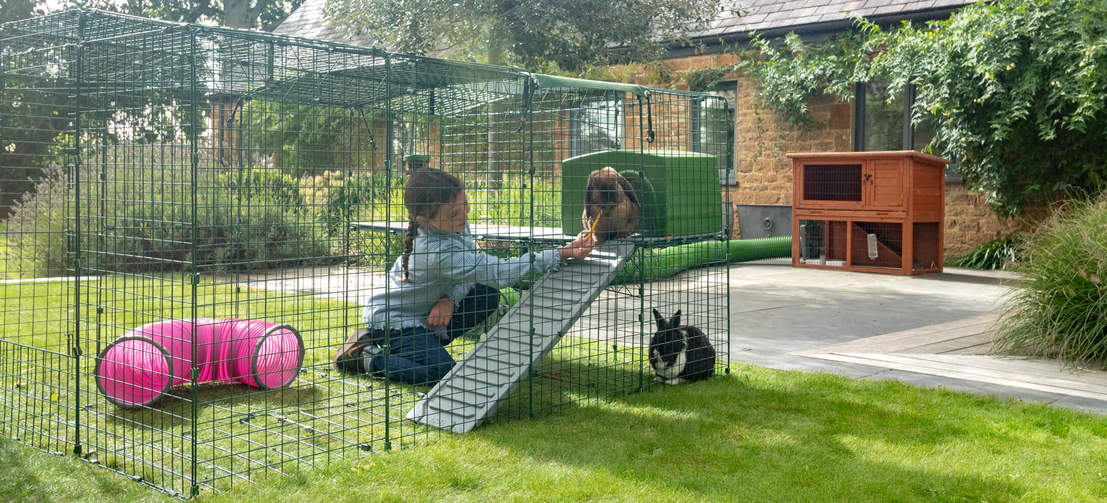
(417, 356)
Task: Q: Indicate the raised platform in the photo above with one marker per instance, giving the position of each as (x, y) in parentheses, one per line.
(536, 234)
(482, 232)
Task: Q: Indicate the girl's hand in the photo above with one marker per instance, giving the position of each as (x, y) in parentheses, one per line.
(441, 312)
(578, 249)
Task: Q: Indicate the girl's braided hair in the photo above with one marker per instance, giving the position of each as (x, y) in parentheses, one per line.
(427, 191)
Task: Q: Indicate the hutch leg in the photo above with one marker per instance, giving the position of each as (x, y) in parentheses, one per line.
(795, 241)
(908, 247)
(849, 243)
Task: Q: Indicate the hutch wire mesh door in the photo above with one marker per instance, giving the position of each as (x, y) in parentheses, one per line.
(217, 209)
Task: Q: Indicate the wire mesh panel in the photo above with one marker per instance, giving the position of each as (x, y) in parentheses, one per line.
(823, 242)
(877, 244)
(595, 149)
(832, 182)
(249, 253)
(37, 371)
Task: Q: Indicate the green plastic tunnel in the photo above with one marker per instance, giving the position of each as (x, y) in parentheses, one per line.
(661, 263)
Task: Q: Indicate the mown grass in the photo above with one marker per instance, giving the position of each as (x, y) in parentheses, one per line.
(510, 204)
(758, 435)
(240, 432)
(5, 272)
(513, 203)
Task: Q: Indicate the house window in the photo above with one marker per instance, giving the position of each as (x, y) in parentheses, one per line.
(883, 122)
(713, 128)
(597, 124)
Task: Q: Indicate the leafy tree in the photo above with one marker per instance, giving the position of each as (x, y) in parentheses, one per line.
(29, 125)
(11, 10)
(791, 72)
(264, 14)
(564, 34)
(228, 13)
(1016, 89)
(570, 33)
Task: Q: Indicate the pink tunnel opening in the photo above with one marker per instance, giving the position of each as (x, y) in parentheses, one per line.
(133, 371)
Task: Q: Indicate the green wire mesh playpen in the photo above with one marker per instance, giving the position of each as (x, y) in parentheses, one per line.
(193, 174)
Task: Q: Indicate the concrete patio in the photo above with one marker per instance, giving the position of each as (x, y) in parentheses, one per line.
(931, 330)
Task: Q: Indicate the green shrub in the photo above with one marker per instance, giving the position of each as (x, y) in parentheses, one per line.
(229, 235)
(1059, 309)
(142, 222)
(35, 232)
(995, 254)
(345, 198)
(263, 185)
(378, 250)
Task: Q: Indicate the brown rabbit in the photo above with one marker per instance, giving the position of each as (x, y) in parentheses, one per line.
(608, 191)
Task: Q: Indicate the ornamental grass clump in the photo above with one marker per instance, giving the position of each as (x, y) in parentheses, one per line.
(993, 255)
(1059, 309)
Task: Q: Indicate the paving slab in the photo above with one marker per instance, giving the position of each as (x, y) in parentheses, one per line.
(931, 330)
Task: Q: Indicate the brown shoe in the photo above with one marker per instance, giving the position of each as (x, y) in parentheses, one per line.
(349, 357)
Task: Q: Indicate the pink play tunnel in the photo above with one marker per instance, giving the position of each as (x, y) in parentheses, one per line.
(138, 367)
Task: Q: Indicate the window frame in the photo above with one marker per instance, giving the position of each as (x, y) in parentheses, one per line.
(908, 142)
(728, 177)
(579, 143)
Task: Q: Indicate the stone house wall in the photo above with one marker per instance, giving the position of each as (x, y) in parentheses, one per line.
(764, 174)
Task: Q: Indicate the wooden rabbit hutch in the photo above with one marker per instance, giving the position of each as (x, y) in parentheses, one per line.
(868, 211)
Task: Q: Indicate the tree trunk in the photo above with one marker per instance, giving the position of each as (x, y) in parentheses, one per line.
(240, 14)
(226, 134)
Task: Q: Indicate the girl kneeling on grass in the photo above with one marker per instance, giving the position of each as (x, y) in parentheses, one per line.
(441, 287)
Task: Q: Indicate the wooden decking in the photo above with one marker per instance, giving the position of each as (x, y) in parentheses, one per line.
(959, 349)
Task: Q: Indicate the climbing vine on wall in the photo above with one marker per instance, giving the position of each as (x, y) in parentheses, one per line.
(1016, 87)
(790, 73)
(707, 79)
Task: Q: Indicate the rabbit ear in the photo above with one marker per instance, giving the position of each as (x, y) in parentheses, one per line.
(675, 322)
(660, 320)
(628, 189)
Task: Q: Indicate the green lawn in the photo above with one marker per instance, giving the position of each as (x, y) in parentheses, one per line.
(239, 431)
(758, 435)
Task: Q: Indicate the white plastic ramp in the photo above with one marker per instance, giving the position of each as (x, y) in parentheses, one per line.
(473, 389)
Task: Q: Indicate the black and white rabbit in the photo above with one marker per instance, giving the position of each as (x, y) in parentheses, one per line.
(679, 353)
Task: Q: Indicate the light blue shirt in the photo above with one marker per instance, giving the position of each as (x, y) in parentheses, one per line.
(444, 264)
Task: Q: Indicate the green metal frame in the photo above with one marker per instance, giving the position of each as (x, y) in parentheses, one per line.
(212, 172)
